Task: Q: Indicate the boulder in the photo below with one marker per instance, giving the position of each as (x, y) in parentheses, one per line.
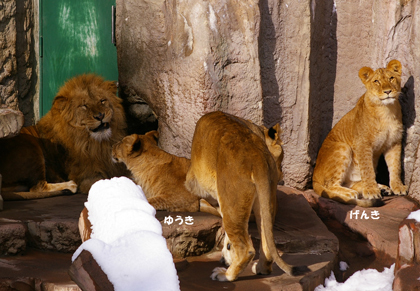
(407, 267)
(187, 58)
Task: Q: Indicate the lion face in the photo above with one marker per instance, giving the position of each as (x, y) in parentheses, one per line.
(88, 104)
(383, 84)
(133, 146)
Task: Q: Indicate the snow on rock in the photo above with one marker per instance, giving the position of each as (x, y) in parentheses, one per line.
(127, 239)
(364, 280)
(414, 215)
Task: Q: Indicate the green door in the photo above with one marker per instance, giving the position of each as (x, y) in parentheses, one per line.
(75, 38)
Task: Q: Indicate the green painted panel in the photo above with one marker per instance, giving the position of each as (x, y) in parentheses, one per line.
(75, 39)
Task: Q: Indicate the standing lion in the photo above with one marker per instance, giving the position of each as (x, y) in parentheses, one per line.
(70, 147)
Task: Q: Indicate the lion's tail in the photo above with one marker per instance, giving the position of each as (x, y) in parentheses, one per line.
(341, 194)
(265, 189)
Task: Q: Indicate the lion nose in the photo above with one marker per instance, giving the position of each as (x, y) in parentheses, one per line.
(387, 92)
(99, 116)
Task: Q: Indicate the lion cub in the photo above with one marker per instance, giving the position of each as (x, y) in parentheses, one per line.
(238, 163)
(160, 174)
(346, 163)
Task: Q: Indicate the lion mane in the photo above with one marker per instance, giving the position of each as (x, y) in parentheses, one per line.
(74, 138)
(86, 119)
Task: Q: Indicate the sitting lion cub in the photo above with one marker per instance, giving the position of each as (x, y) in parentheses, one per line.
(160, 174)
(238, 163)
(346, 163)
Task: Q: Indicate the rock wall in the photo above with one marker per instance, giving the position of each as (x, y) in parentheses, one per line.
(293, 62)
(17, 57)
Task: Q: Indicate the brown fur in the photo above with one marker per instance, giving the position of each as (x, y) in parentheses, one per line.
(346, 163)
(160, 174)
(71, 142)
(238, 163)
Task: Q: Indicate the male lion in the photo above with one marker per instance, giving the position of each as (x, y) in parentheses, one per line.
(160, 174)
(72, 141)
(346, 163)
(238, 163)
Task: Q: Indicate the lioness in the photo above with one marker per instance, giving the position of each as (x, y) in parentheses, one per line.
(71, 142)
(238, 163)
(346, 163)
(160, 174)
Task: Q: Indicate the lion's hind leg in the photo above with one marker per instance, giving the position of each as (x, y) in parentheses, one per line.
(42, 189)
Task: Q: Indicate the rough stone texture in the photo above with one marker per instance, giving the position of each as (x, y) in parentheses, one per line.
(11, 121)
(46, 224)
(12, 237)
(187, 58)
(380, 228)
(54, 235)
(17, 63)
(407, 267)
(184, 240)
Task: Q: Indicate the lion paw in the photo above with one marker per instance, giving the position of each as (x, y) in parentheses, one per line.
(219, 274)
(399, 189)
(371, 192)
(72, 186)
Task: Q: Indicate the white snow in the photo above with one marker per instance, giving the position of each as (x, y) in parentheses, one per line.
(414, 215)
(127, 239)
(364, 280)
(343, 266)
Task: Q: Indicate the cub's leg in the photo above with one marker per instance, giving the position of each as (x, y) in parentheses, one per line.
(235, 206)
(368, 186)
(393, 161)
(332, 171)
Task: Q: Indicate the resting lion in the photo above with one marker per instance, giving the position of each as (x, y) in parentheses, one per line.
(238, 163)
(346, 163)
(160, 174)
(70, 147)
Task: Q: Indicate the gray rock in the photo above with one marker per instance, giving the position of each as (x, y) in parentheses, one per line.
(11, 121)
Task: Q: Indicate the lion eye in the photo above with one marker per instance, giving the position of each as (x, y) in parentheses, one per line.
(377, 82)
(103, 101)
(392, 79)
(228, 247)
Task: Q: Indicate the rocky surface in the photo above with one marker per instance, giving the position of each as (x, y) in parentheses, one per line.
(11, 121)
(17, 52)
(379, 225)
(189, 58)
(407, 268)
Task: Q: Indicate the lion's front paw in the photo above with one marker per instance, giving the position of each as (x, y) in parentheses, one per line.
(399, 189)
(371, 192)
(219, 274)
(72, 186)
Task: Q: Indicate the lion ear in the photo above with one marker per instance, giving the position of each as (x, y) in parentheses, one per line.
(137, 147)
(394, 66)
(59, 103)
(365, 73)
(111, 86)
(273, 141)
(154, 134)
